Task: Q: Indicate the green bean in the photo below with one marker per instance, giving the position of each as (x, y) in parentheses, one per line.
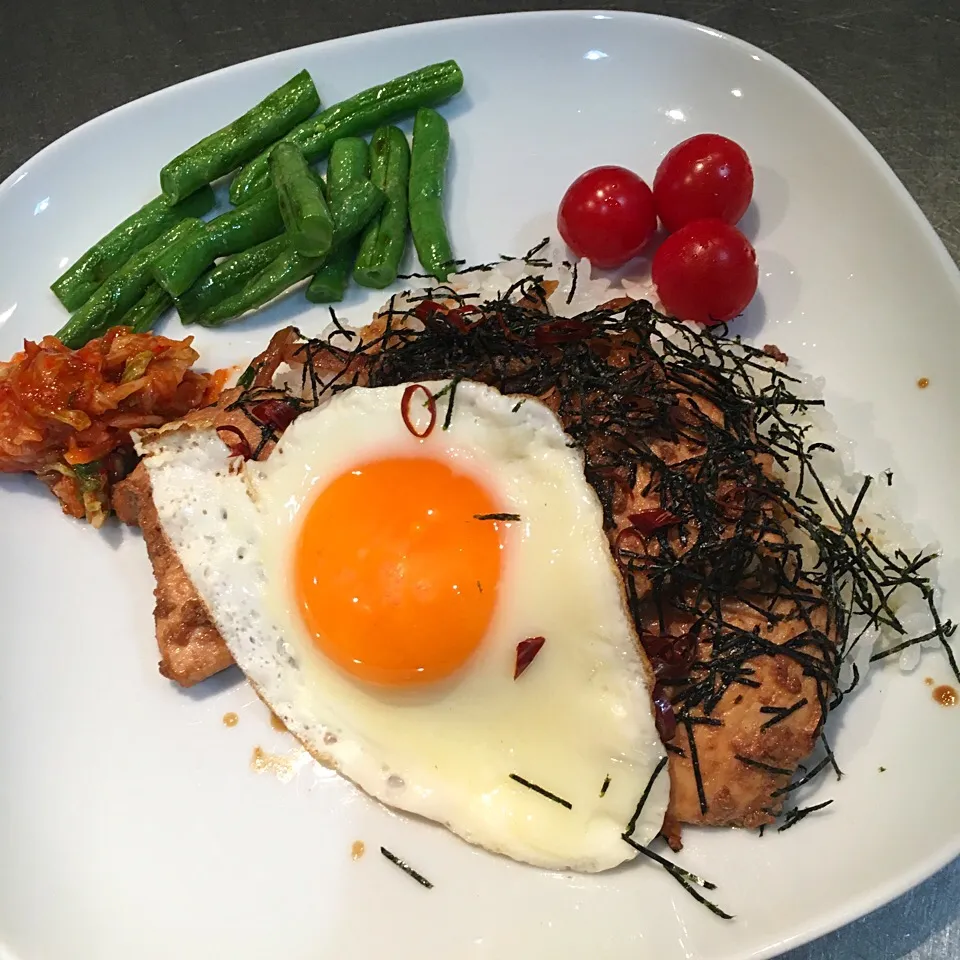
(349, 164)
(429, 86)
(232, 232)
(357, 207)
(288, 268)
(302, 205)
(74, 287)
(233, 145)
(385, 238)
(119, 292)
(428, 162)
(142, 317)
(329, 283)
(228, 278)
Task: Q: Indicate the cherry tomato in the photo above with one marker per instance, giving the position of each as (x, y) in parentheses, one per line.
(705, 272)
(704, 177)
(607, 216)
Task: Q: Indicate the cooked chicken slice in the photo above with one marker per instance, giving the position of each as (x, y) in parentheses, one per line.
(748, 743)
(191, 648)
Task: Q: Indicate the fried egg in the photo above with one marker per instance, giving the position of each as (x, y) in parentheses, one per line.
(381, 591)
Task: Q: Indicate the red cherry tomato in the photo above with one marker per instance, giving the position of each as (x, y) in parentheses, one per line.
(607, 216)
(705, 272)
(707, 176)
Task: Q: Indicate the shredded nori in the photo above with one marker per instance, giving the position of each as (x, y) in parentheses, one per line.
(794, 816)
(543, 793)
(683, 877)
(406, 868)
(686, 879)
(341, 330)
(632, 825)
(573, 283)
(760, 765)
(606, 785)
(781, 713)
(453, 396)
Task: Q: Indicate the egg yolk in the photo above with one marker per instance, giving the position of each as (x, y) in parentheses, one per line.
(395, 577)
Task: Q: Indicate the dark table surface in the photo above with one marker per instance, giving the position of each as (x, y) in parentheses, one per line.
(892, 66)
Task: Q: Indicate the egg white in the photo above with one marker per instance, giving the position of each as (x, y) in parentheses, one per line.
(579, 714)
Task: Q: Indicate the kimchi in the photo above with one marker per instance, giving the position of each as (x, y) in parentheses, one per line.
(66, 415)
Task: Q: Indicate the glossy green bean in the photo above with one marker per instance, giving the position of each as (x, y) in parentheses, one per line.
(119, 292)
(233, 145)
(302, 204)
(74, 287)
(428, 168)
(385, 237)
(429, 86)
(357, 206)
(349, 164)
(287, 269)
(253, 222)
(227, 278)
(142, 317)
(329, 283)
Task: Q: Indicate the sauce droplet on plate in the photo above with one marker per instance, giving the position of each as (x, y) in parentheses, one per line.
(277, 764)
(357, 850)
(928, 681)
(277, 723)
(946, 696)
(923, 383)
(230, 719)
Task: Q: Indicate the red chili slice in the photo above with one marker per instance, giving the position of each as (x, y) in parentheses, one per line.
(560, 331)
(670, 656)
(276, 413)
(457, 318)
(664, 717)
(622, 537)
(504, 326)
(238, 447)
(425, 309)
(526, 651)
(649, 521)
(429, 403)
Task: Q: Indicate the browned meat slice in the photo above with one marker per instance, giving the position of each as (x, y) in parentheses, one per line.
(191, 648)
(747, 743)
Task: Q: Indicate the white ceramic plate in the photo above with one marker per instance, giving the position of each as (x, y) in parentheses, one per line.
(131, 823)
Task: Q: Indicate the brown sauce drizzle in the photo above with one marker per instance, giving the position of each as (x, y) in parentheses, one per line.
(280, 766)
(946, 696)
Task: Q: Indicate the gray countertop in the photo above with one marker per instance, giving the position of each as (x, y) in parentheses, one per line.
(892, 66)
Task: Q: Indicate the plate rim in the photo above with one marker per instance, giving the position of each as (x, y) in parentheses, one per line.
(887, 891)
